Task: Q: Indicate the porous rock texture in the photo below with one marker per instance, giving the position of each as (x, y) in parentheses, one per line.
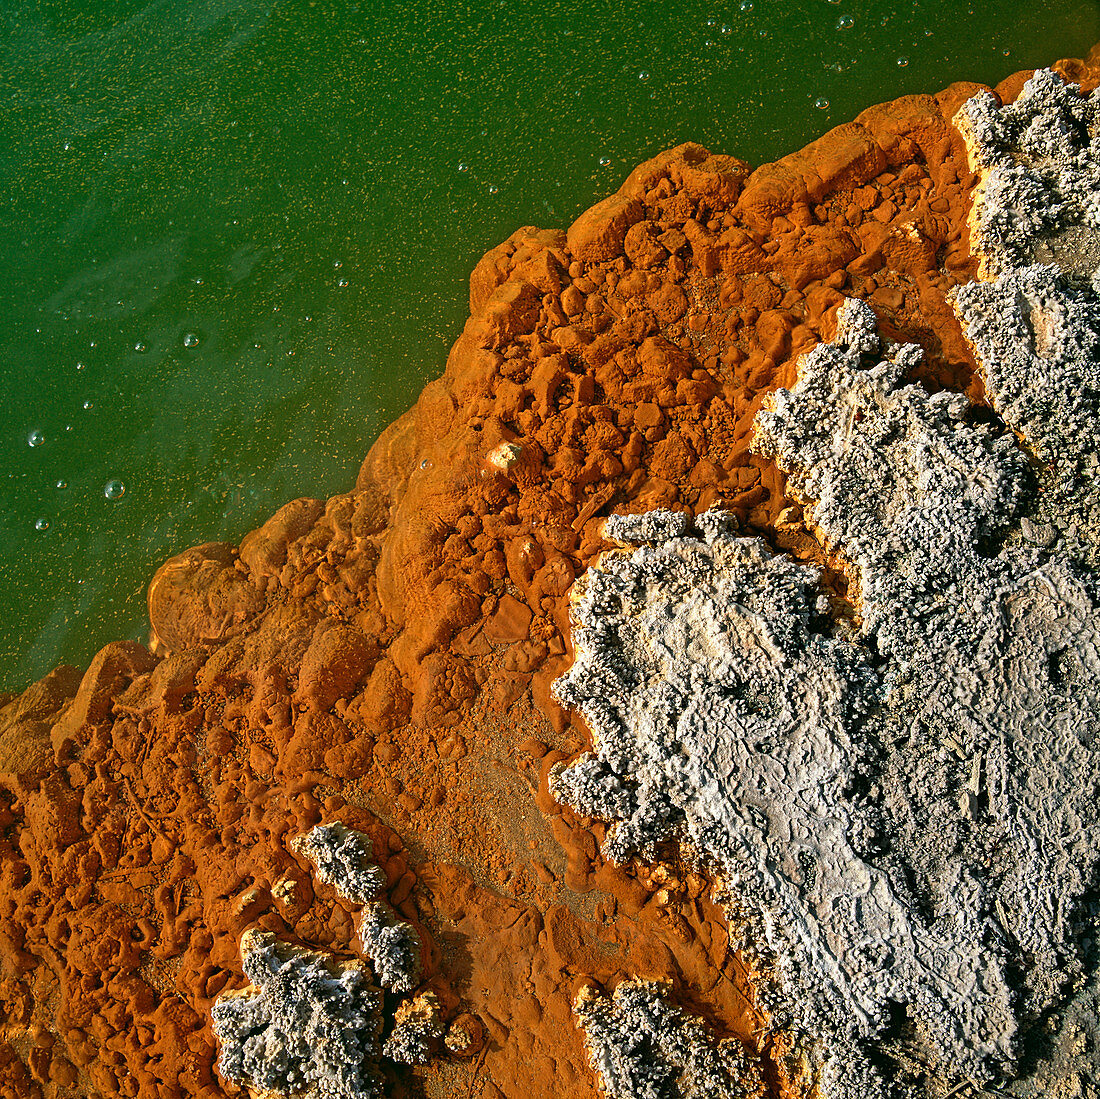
(645, 1048)
(1038, 199)
(310, 1024)
(417, 1031)
(1035, 323)
(384, 658)
(343, 860)
(904, 806)
(305, 1027)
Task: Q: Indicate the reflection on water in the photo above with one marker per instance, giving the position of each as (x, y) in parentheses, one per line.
(236, 235)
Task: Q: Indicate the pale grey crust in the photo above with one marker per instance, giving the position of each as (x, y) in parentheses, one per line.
(643, 1047)
(392, 946)
(344, 859)
(1038, 198)
(905, 809)
(310, 1025)
(417, 1031)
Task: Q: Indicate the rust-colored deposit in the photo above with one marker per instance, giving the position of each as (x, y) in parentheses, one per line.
(385, 658)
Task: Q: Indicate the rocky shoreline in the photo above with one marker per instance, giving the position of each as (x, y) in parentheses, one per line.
(385, 660)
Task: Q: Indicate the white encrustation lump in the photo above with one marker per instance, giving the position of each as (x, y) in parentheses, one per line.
(1038, 198)
(308, 1026)
(1035, 324)
(392, 946)
(343, 858)
(644, 1047)
(417, 1030)
(904, 806)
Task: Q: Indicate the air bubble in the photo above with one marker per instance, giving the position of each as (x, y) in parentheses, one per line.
(463, 166)
(726, 28)
(80, 366)
(190, 340)
(139, 347)
(493, 188)
(845, 22)
(903, 61)
(341, 283)
(746, 5)
(114, 489)
(605, 161)
(61, 485)
(821, 103)
(41, 524)
(426, 464)
(88, 406)
(643, 75)
(35, 438)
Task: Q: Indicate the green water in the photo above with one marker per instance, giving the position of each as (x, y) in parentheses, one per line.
(234, 236)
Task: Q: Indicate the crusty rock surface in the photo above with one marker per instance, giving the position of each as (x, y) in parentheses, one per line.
(384, 658)
(343, 858)
(1039, 158)
(308, 1026)
(644, 1047)
(1034, 325)
(901, 803)
(417, 1031)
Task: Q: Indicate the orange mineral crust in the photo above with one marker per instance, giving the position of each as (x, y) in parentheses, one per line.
(384, 659)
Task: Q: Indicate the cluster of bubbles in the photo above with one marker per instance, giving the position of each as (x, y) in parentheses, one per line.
(114, 489)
